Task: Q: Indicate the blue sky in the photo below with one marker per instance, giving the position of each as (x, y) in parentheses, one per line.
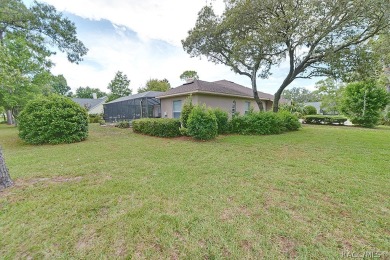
(142, 39)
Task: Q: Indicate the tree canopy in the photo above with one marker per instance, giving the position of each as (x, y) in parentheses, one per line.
(87, 92)
(251, 37)
(28, 37)
(155, 85)
(189, 74)
(59, 85)
(301, 95)
(119, 86)
(41, 21)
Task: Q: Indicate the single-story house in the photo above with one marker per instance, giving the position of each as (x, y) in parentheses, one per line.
(224, 94)
(141, 105)
(317, 105)
(93, 105)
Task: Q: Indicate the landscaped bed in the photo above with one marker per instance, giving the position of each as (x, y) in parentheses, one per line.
(320, 192)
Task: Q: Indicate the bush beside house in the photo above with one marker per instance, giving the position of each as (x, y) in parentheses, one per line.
(161, 127)
(202, 123)
(205, 124)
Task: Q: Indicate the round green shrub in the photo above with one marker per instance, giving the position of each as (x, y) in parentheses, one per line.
(53, 120)
(202, 123)
(222, 120)
(310, 110)
(289, 121)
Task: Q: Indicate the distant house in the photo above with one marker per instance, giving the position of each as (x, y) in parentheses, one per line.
(320, 109)
(93, 105)
(141, 105)
(224, 94)
(317, 105)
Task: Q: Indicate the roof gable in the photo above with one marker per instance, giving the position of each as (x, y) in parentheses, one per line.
(221, 87)
(89, 103)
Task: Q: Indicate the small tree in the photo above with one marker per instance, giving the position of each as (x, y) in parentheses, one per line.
(88, 91)
(330, 91)
(119, 86)
(155, 85)
(60, 85)
(189, 74)
(363, 102)
(5, 179)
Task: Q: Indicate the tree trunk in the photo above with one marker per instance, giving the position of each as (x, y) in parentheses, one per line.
(10, 120)
(277, 96)
(255, 93)
(5, 179)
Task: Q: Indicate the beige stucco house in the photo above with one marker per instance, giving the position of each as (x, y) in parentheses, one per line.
(224, 94)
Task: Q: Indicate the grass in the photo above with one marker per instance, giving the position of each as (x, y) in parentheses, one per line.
(315, 193)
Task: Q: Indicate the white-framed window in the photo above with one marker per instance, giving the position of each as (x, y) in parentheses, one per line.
(247, 107)
(176, 108)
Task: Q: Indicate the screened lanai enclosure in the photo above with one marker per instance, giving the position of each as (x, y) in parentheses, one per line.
(141, 105)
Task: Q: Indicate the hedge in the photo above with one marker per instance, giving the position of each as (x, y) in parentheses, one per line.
(264, 123)
(324, 119)
(222, 120)
(161, 127)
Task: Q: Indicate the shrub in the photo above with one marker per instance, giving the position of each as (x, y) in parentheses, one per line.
(325, 119)
(222, 120)
(264, 123)
(202, 123)
(295, 108)
(53, 120)
(260, 123)
(94, 118)
(183, 131)
(123, 124)
(310, 110)
(290, 121)
(185, 111)
(162, 127)
(363, 102)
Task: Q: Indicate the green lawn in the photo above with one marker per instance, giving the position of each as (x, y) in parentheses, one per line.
(314, 193)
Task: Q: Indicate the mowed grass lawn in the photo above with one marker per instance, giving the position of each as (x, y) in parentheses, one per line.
(320, 192)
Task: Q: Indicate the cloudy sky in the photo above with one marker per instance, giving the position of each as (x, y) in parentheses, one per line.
(142, 39)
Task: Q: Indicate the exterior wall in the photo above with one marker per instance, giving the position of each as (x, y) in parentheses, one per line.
(223, 102)
(97, 110)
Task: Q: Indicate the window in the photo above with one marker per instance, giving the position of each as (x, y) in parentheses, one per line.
(234, 107)
(247, 107)
(176, 108)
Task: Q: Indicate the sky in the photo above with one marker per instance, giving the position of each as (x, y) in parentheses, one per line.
(143, 40)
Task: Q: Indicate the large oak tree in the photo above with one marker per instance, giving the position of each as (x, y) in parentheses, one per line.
(311, 35)
(28, 37)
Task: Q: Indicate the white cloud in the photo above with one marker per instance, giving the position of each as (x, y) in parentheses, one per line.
(168, 20)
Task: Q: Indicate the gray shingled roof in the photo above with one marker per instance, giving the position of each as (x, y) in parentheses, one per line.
(147, 94)
(218, 87)
(89, 103)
